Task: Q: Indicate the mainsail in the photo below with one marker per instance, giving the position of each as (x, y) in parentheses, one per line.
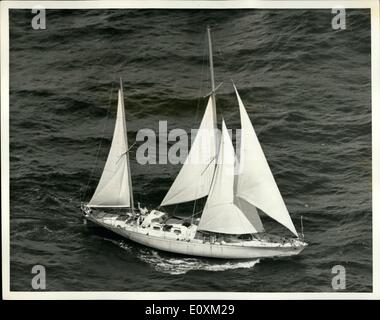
(256, 183)
(115, 187)
(194, 179)
(220, 214)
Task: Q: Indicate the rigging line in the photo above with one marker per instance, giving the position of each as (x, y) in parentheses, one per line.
(125, 153)
(194, 207)
(196, 213)
(202, 79)
(211, 161)
(200, 98)
(220, 54)
(100, 143)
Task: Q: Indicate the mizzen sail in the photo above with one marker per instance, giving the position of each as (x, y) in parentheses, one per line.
(256, 183)
(114, 188)
(195, 177)
(220, 214)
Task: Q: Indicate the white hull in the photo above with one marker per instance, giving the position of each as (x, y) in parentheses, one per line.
(243, 250)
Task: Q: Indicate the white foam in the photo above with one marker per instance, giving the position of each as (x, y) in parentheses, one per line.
(183, 265)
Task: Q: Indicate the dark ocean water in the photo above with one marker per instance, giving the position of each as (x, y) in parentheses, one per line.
(306, 87)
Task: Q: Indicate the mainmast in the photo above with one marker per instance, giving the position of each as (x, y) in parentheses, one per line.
(127, 151)
(212, 77)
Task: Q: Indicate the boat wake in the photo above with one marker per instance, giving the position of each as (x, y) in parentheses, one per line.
(181, 265)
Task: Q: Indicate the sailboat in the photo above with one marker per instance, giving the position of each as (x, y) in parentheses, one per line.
(230, 226)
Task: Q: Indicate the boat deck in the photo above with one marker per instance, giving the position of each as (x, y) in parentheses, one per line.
(186, 232)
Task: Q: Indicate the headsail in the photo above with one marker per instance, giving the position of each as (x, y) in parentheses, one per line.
(256, 183)
(220, 214)
(250, 212)
(248, 209)
(194, 179)
(114, 188)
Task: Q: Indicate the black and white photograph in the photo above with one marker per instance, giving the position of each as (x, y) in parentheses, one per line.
(190, 148)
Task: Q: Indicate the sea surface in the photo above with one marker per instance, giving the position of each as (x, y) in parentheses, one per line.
(306, 87)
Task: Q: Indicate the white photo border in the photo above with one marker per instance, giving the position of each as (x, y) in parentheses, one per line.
(5, 6)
